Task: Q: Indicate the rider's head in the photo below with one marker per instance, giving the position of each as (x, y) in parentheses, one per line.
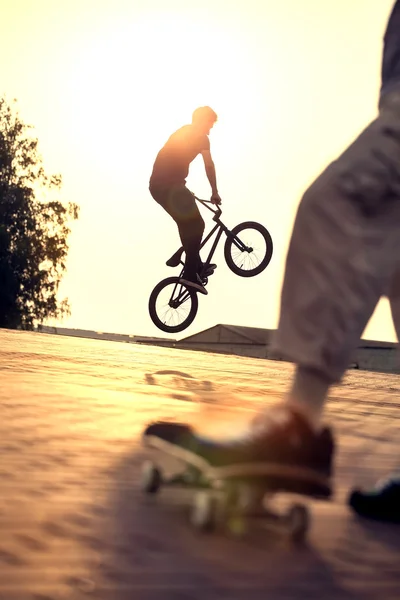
(204, 118)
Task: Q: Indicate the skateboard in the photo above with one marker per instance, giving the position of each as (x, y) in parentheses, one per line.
(227, 497)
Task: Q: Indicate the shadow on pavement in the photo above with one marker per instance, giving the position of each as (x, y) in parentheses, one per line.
(158, 553)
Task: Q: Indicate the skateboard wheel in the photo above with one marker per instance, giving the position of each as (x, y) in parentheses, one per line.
(236, 526)
(232, 506)
(249, 499)
(203, 516)
(151, 478)
(299, 521)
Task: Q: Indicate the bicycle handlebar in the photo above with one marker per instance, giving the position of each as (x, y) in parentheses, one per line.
(217, 211)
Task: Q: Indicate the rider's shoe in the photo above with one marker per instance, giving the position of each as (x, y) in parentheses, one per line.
(381, 503)
(196, 284)
(209, 270)
(205, 270)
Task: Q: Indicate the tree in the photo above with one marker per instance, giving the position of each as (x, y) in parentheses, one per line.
(34, 229)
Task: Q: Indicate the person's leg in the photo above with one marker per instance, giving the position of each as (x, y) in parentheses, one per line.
(394, 300)
(191, 233)
(180, 204)
(343, 249)
(382, 500)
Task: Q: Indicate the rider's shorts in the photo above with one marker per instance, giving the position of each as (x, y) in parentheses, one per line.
(178, 201)
(344, 252)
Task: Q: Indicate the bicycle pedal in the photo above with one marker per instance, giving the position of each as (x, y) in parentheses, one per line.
(208, 272)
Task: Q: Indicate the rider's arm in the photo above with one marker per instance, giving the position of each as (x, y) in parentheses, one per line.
(210, 170)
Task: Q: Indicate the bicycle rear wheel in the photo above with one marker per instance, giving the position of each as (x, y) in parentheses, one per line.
(173, 305)
(248, 249)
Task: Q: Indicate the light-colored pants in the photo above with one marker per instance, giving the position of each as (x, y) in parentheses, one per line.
(344, 253)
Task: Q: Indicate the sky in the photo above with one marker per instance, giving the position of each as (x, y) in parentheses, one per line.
(105, 82)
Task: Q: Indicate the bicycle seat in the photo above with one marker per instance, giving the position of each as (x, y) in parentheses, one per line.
(175, 258)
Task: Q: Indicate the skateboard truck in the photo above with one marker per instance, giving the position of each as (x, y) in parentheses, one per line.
(228, 503)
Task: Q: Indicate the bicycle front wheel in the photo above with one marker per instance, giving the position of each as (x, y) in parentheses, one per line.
(173, 305)
(248, 249)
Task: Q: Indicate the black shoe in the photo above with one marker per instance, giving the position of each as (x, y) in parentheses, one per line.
(381, 503)
(196, 284)
(172, 432)
(207, 270)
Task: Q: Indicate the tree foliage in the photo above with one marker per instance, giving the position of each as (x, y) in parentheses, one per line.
(34, 229)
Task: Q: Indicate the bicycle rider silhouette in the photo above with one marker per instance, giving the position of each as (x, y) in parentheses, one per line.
(168, 187)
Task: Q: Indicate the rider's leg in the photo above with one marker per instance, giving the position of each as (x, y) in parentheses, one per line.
(184, 210)
(180, 204)
(191, 232)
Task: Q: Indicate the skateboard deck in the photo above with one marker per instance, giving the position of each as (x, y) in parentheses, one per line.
(229, 495)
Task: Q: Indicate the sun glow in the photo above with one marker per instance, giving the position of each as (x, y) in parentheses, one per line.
(128, 91)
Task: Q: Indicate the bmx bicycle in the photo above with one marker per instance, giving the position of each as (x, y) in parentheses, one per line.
(248, 251)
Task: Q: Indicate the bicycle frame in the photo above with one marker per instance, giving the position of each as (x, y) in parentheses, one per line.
(176, 259)
(184, 293)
